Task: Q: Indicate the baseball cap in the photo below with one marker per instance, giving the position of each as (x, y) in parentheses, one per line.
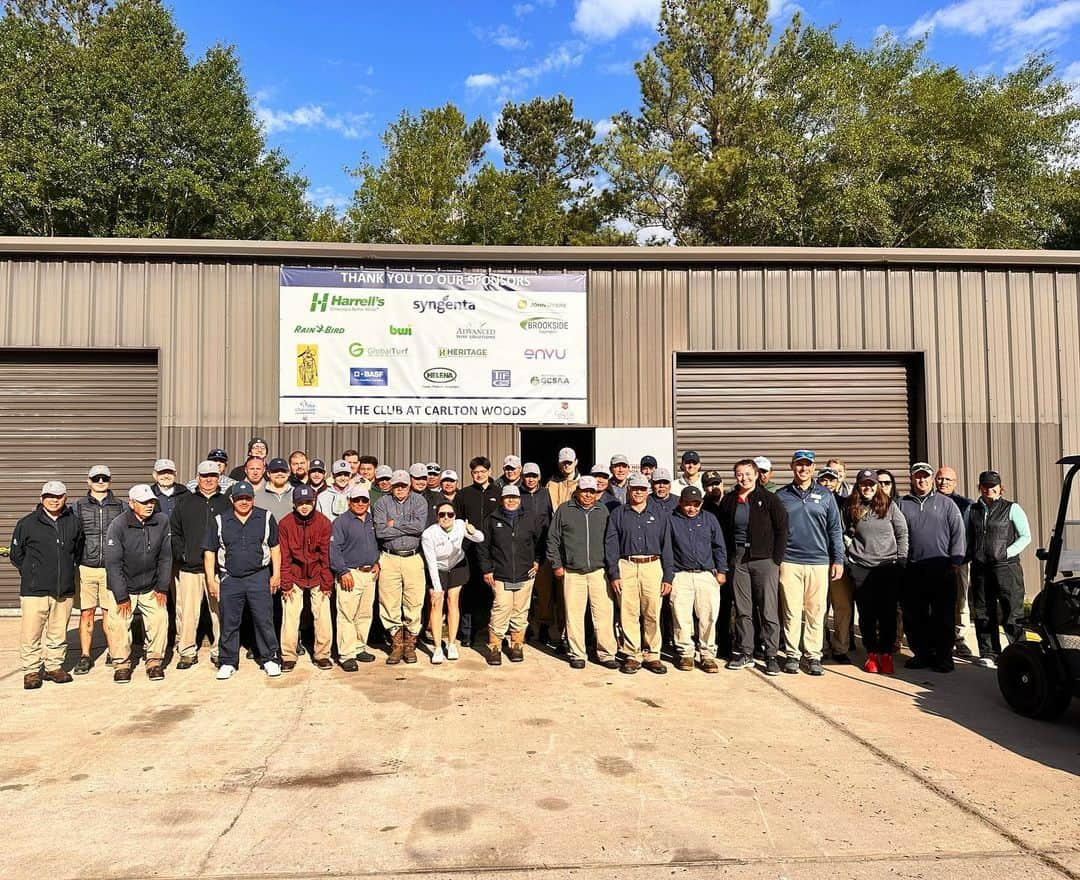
(600, 469)
(690, 493)
(207, 469)
(511, 461)
(690, 456)
(802, 455)
(989, 479)
(277, 464)
(384, 472)
(828, 474)
(217, 454)
(99, 470)
(356, 490)
(866, 475)
(530, 468)
(418, 470)
(317, 464)
(661, 475)
(712, 478)
(512, 491)
(341, 467)
(922, 467)
(638, 481)
(448, 474)
(141, 492)
(54, 487)
(301, 494)
(164, 464)
(763, 463)
(243, 489)
(587, 482)
(619, 458)
(433, 468)
(400, 478)
(647, 461)
(567, 454)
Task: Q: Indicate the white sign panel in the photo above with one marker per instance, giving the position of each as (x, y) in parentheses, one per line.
(375, 345)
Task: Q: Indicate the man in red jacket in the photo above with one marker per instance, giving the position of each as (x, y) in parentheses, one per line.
(304, 536)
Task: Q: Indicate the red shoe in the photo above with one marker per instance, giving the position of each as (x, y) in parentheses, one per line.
(871, 663)
(885, 664)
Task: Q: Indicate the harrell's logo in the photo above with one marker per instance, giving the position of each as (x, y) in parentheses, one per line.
(319, 301)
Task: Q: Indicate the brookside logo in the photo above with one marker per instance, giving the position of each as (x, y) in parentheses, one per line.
(440, 375)
(545, 325)
(444, 305)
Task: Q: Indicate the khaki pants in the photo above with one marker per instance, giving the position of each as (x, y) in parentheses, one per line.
(695, 594)
(155, 620)
(510, 610)
(292, 606)
(190, 589)
(963, 611)
(842, 597)
(547, 602)
(355, 609)
(590, 589)
(44, 618)
(803, 591)
(93, 590)
(640, 598)
(402, 584)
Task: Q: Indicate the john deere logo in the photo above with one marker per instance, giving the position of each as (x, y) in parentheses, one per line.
(523, 304)
(440, 375)
(319, 301)
(307, 366)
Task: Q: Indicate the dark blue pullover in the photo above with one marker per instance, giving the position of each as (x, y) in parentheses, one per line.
(697, 543)
(815, 530)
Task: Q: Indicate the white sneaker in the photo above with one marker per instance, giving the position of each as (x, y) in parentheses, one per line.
(225, 671)
(986, 662)
(272, 669)
(437, 657)
(451, 651)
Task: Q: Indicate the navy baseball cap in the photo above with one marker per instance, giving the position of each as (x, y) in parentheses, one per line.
(317, 464)
(690, 456)
(647, 461)
(302, 494)
(217, 455)
(243, 489)
(277, 464)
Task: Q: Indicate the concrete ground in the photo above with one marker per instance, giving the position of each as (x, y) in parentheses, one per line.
(532, 770)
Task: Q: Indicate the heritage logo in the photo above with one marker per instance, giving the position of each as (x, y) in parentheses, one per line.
(545, 325)
(463, 352)
(368, 376)
(440, 375)
(321, 302)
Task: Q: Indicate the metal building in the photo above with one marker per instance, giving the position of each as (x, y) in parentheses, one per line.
(123, 350)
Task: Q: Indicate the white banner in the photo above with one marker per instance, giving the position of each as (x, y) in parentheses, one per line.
(374, 345)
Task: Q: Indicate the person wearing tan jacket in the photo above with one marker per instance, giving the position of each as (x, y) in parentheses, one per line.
(562, 486)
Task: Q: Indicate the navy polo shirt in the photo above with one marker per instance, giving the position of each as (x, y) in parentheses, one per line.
(242, 548)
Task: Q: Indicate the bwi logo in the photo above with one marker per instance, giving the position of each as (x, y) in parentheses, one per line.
(319, 301)
(307, 366)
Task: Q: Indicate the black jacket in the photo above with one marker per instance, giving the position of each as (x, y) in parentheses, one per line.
(509, 550)
(189, 521)
(476, 504)
(768, 527)
(166, 503)
(46, 552)
(95, 520)
(138, 555)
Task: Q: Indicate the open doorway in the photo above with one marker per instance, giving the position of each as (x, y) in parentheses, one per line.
(542, 445)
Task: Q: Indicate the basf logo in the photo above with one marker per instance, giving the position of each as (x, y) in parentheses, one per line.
(368, 376)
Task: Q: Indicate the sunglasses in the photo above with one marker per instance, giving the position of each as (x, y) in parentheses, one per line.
(885, 482)
(100, 479)
(446, 515)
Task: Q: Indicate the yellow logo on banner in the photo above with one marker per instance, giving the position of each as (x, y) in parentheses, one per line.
(307, 366)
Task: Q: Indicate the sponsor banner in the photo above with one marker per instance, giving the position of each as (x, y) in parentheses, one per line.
(376, 345)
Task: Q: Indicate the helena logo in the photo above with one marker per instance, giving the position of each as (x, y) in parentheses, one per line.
(440, 375)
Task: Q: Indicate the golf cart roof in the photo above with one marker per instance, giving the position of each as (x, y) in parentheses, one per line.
(1069, 459)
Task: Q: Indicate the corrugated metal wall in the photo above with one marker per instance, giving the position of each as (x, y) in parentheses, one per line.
(1002, 348)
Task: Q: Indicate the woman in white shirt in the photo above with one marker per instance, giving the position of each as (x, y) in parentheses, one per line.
(445, 558)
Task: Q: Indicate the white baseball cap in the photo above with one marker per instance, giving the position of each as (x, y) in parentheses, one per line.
(141, 492)
(54, 487)
(164, 464)
(99, 470)
(763, 463)
(448, 475)
(511, 461)
(567, 454)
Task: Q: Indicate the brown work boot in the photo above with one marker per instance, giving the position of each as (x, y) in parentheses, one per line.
(630, 666)
(494, 657)
(685, 663)
(396, 648)
(408, 646)
(31, 681)
(59, 676)
(708, 664)
(516, 651)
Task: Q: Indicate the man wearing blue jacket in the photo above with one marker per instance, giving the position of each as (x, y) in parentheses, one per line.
(637, 551)
(936, 549)
(814, 556)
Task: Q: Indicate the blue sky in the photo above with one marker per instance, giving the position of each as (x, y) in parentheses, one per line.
(327, 76)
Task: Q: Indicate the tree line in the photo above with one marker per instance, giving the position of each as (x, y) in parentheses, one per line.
(743, 136)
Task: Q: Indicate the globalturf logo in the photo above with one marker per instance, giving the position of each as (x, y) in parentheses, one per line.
(357, 350)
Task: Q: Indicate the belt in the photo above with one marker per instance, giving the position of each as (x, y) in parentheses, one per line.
(365, 568)
(641, 560)
(402, 552)
(695, 571)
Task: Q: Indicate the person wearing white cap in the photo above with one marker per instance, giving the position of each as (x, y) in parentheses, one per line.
(138, 556)
(662, 496)
(45, 548)
(620, 473)
(335, 500)
(563, 485)
(354, 560)
(764, 466)
(448, 571)
(434, 476)
(380, 483)
(96, 510)
(545, 611)
(165, 488)
(511, 475)
(418, 482)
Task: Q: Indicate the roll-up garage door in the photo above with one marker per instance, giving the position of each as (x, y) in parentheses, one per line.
(858, 409)
(60, 413)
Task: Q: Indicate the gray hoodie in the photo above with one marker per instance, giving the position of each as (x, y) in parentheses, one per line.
(874, 541)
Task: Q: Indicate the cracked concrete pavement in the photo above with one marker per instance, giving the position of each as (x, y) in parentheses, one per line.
(531, 769)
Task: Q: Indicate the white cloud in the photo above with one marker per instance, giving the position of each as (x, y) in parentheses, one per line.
(604, 127)
(328, 197)
(1072, 72)
(511, 82)
(606, 19)
(617, 68)
(481, 81)
(972, 17)
(312, 116)
(1057, 17)
(502, 36)
(523, 9)
(783, 9)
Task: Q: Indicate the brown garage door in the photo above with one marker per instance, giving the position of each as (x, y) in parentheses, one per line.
(857, 409)
(60, 413)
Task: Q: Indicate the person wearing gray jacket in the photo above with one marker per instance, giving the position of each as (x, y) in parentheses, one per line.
(876, 540)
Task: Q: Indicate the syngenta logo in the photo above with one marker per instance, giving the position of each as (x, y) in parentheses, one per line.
(320, 302)
(444, 305)
(440, 375)
(545, 325)
(545, 354)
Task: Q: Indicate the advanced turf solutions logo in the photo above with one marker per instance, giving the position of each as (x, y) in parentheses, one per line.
(336, 302)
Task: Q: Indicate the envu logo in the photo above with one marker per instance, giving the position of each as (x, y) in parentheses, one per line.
(319, 301)
(400, 331)
(545, 354)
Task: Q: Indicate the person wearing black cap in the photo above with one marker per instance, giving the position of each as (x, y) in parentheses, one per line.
(647, 466)
(689, 472)
(242, 546)
(997, 531)
(257, 448)
(221, 458)
(474, 504)
(700, 565)
(335, 500)
(276, 496)
(316, 477)
(138, 556)
(304, 537)
(936, 549)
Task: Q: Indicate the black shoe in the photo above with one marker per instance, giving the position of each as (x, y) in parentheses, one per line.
(494, 657)
(739, 661)
(815, 668)
(944, 666)
(578, 663)
(108, 660)
(917, 662)
(250, 655)
(187, 662)
(215, 662)
(84, 665)
(842, 659)
(365, 657)
(350, 665)
(772, 667)
(759, 653)
(607, 664)
(563, 647)
(791, 666)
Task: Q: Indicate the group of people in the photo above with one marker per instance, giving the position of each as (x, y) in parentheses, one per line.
(623, 560)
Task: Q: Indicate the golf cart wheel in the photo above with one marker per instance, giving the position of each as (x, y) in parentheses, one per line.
(1030, 683)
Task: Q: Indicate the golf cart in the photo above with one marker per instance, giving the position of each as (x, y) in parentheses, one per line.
(1039, 678)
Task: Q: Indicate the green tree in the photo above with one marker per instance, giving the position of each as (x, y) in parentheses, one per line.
(106, 129)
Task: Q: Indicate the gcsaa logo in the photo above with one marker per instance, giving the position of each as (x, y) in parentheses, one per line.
(440, 375)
